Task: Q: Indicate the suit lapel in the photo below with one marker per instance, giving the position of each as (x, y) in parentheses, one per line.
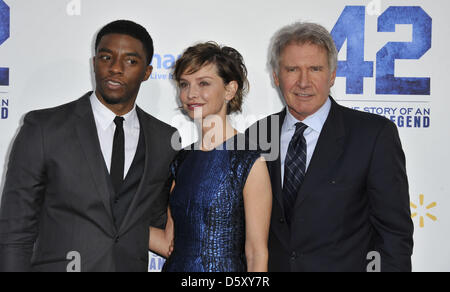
(274, 166)
(88, 137)
(330, 147)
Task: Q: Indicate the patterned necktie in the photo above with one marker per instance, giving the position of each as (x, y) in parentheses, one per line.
(118, 155)
(294, 169)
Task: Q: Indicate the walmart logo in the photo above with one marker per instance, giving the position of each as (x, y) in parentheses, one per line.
(423, 211)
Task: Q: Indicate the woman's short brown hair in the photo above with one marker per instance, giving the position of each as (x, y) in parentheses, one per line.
(230, 67)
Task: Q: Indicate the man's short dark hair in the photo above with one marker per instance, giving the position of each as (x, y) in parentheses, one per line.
(129, 28)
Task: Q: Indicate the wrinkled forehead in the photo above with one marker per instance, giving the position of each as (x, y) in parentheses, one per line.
(303, 50)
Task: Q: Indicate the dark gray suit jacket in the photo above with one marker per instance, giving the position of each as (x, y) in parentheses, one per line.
(354, 199)
(56, 198)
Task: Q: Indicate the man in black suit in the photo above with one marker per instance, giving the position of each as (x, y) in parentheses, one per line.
(87, 179)
(339, 182)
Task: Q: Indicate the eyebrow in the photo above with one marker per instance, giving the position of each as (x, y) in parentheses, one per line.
(132, 54)
(199, 78)
(204, 77)
(312, 66)
(104, 50)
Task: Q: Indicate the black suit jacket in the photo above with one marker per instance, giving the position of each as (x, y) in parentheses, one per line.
(354, 199)
(57, 195)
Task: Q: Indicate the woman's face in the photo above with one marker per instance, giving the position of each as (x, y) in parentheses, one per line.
(204, 93)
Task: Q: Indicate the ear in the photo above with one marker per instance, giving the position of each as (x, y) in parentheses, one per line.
(231, 89)
(148, 72)
(276, 79)
(332, 78)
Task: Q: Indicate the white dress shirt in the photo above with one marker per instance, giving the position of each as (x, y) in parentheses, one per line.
(315, 124)
(104, 120)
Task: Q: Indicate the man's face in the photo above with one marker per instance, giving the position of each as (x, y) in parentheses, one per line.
(304, 78)
(120, 66)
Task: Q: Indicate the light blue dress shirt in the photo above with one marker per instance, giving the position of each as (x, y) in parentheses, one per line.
(315, 124)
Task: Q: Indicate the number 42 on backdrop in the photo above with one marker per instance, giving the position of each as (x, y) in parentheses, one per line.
(351, 27)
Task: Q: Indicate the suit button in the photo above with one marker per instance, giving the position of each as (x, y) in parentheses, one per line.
(294, 256)
(282, 221)
(116, 240)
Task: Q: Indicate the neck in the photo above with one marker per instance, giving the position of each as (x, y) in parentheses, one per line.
(215, 130)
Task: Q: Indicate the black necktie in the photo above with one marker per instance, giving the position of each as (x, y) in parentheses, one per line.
(294, 169)
(118, 155)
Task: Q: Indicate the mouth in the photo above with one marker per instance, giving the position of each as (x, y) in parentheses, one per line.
(303, 95)
(193, 106)
(112, 84)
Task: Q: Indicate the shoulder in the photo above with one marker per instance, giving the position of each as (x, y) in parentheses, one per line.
(365, 117)
(247, 157)
(266, 129)
(273, 119)
(56, 116)
(243, 151)
(155, 123)
(45, 114)
(359, 121)
(162, 132)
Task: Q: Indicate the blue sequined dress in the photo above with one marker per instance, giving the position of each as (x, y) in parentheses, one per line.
(207, 207)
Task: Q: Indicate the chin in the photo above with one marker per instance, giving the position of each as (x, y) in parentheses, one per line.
(112, 100)
(190, 114)
(299, 113)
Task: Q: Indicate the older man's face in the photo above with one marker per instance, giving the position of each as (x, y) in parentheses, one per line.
(304, 78)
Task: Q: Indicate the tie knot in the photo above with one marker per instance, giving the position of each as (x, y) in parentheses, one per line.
(300, 128)
(119, 122)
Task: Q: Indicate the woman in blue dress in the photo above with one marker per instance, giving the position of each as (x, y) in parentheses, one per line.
(221, 200)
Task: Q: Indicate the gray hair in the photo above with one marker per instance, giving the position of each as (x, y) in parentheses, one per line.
(302, 33)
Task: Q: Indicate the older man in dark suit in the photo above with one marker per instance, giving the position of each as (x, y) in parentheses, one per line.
(339, 182)
(87, 179)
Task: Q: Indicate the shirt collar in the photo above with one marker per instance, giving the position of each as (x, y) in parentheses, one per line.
(315, 121)
(105, 117)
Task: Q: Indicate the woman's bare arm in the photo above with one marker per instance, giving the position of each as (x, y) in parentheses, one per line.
(258, 209)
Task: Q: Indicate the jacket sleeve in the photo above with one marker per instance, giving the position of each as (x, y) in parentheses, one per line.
(390, 212)
(22, 198)
(159, 218)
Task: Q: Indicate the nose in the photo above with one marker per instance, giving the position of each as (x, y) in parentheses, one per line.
(192, 92)
(303, 80)
(116, 67)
